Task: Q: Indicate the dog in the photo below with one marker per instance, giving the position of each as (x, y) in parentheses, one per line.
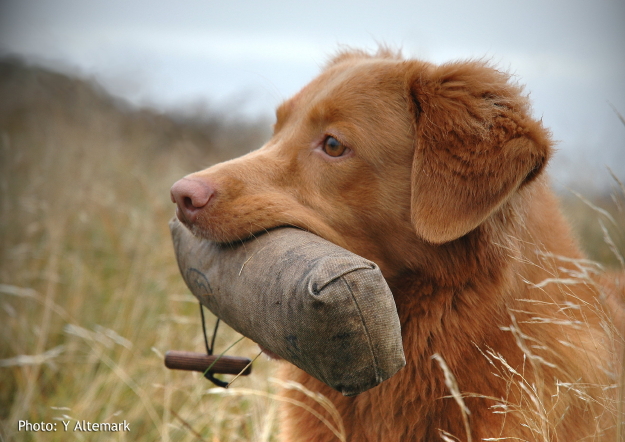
(435, 173)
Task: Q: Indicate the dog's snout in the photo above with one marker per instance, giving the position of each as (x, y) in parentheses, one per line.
(190, 196)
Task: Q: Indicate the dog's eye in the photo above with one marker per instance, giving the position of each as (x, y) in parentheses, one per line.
(333, 147)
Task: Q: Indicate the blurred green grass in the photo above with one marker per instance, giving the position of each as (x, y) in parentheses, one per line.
(90, 293)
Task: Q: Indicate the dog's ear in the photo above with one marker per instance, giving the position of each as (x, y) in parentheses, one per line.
(476, 144)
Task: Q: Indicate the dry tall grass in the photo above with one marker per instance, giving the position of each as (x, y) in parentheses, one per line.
(90, 293)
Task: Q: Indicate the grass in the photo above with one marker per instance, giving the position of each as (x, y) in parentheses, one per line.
(90, 294)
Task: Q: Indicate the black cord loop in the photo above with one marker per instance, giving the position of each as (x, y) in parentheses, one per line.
(210, 348)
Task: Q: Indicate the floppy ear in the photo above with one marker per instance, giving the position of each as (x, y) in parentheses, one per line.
(476, 144)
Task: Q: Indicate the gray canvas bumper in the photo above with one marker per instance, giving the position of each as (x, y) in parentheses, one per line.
(316, 305)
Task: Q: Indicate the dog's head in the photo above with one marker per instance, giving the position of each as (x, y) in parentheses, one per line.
(375, 154)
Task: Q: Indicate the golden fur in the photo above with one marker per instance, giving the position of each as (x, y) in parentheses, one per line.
(442, 187)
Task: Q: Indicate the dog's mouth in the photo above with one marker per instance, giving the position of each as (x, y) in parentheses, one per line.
(223, 240)
(255, 235)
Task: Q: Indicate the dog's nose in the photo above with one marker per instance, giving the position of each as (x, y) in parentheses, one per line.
(190, 197)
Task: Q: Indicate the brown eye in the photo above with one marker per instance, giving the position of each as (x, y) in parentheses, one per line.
(333, 147)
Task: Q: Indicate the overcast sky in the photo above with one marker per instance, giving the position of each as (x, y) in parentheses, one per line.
(249, 56)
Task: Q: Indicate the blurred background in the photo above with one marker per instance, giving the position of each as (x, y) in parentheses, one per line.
(103, 105)
(244, 58)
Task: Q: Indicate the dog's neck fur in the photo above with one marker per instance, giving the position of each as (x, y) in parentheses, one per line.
(441, 310)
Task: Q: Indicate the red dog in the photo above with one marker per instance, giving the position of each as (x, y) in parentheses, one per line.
(436, 174)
